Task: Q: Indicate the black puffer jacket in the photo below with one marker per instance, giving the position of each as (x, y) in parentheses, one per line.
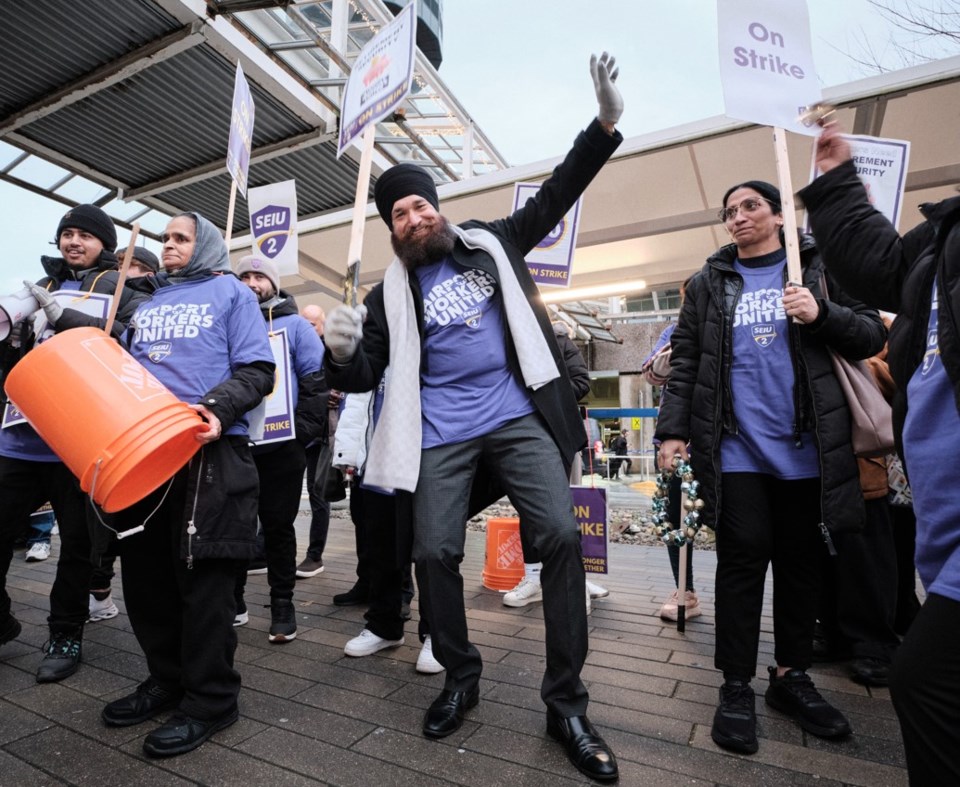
(699, 405)
(868, 258)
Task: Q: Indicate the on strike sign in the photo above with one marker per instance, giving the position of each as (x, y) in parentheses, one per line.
(766, 62)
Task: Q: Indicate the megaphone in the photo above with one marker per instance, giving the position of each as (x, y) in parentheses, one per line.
(14, 309)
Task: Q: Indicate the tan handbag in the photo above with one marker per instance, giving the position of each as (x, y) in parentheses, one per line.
(871, 419)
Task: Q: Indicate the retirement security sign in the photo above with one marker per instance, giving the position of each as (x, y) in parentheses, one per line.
(549, 262)
(882, 166)
(380, 78)
(766, 62)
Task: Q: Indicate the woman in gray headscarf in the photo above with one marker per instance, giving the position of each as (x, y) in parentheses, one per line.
(202, 335)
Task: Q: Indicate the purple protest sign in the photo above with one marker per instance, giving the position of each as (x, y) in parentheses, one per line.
(550, 261)
(590, 509)
(241, 132)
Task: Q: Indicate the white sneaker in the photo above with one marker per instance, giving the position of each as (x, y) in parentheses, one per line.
(367, 643)
(102, 610)
(39, 551)
(241, 619)
(589, 603)
(670, 610)
(596, 591)
(426, 663)
(527, 591)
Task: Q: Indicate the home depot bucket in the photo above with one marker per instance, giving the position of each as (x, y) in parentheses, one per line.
(118, 428)
(503, 569)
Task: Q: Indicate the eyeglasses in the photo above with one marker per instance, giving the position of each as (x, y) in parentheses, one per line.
(749, 205)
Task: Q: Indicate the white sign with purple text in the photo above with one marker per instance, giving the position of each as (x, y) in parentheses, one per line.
(882, 166)
(380, 78)
(766, 62)
(273, 419)
(241, 132)
(273, 224)
(551, 259)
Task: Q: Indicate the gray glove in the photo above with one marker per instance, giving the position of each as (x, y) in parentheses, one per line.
(343, 331)
(50, 307)
(605, 73)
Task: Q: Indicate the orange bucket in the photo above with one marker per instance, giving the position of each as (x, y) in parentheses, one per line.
(115, 425)
(503, 568)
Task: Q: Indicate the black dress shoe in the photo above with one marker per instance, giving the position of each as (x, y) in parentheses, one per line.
(147, 701)
(445, 714)
(184, 733)
(587, 751)
(356, 595)
(871, 671)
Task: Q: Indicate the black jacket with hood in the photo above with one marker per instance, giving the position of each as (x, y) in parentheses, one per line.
(698, 407)
(869, 259)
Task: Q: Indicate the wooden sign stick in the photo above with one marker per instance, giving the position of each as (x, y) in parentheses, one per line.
(359, 216)
(124, 267)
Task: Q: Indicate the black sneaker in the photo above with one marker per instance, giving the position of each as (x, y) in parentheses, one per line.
(283, 621)
(62, 657)
(735, 722)
(182, 733)
(309, 567)
(9, 629)
(147, 701)
(795, 695)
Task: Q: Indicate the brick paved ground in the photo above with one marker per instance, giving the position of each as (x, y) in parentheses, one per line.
(311, 715)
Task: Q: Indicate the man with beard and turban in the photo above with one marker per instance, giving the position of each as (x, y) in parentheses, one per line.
(478, 404)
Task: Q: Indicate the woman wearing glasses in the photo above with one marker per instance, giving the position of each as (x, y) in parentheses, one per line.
(752, 390)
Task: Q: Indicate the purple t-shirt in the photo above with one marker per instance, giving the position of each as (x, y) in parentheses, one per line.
(467, 387)
(193, 336)
(762, 380)
(931, 435)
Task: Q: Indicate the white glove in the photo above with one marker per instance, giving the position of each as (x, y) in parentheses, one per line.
(343, 331)
(50, 307)
(605, 73)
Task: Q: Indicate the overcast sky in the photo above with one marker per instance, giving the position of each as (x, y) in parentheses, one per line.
(520, 68)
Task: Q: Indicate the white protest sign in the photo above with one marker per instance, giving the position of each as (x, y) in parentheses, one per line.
(272, 420)
(380, 77)
(882, 166)
(273, 224)
(766, 62)
(551, 259)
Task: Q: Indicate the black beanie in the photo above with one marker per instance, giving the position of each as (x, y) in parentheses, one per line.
(766, 190)
(402, 181)
(147, 258)
(89, 218)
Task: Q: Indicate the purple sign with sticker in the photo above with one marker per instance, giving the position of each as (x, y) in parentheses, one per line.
(271, 228)
(590, 509)
(550, 261)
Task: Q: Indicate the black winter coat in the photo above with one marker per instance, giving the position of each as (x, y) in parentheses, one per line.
(699, 408)
(869, 259)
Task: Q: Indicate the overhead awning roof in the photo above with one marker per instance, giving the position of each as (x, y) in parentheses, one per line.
(143, 114)
(651, 212)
